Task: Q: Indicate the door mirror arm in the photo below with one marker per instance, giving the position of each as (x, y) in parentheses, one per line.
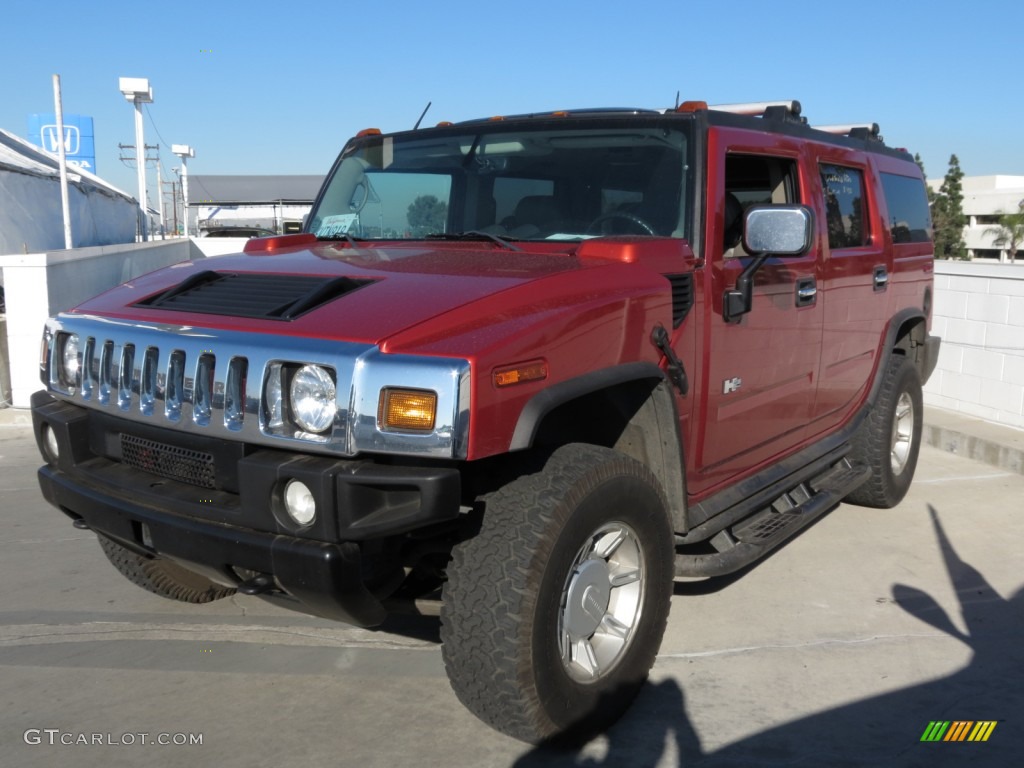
(768, 230)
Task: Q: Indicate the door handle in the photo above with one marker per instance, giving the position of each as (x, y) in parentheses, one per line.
(881, 278)
(806, 292)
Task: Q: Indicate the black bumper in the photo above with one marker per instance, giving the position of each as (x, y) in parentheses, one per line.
(241, 526)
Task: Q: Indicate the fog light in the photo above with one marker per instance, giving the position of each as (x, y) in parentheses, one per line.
(299, 502)
(50, 445)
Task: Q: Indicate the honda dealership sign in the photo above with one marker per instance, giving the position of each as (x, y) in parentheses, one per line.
(79, 147)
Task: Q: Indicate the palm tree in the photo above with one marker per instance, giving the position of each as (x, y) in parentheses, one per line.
(1008, 232)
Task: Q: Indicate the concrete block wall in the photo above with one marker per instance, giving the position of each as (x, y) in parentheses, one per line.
(979, 313)
(37, 285)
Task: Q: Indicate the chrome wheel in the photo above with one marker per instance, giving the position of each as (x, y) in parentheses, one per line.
(601, 602)
(902, 433)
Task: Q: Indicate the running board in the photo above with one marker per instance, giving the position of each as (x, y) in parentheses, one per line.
(754, 536)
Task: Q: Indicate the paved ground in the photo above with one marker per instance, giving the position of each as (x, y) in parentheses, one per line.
(838, 650)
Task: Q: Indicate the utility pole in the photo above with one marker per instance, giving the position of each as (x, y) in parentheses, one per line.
(65, 203)
(138, 91)
(184, 151)
(174, 205)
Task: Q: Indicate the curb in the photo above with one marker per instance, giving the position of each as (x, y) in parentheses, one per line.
(975, 447)
(15, 417)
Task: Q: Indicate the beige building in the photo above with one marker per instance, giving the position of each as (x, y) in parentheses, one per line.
(985, 197)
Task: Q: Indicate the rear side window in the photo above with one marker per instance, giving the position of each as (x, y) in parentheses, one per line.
(910, 220)
(844, 206)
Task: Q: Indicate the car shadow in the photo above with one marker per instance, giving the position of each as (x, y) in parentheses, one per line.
(884, 730)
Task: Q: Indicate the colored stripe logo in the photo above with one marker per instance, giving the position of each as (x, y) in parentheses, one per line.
(959, 730)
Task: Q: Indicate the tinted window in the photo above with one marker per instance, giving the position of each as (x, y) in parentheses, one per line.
(844, 203)
(754, 180)
(910, 221)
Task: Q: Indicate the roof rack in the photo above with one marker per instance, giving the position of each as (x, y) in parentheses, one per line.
(866, 131)
(760, 108)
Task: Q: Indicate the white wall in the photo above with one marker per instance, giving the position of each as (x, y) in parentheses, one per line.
(979, 313)
(37, 285)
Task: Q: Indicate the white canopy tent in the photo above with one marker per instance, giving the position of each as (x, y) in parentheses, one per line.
(30, 204)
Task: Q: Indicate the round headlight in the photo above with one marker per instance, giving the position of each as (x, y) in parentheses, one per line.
(299, 502)
(69, 360)
(312, 398)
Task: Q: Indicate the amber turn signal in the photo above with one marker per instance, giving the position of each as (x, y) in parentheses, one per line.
(407, 410)
(533, 370)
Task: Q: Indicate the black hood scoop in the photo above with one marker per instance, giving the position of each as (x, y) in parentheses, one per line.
(259, 296)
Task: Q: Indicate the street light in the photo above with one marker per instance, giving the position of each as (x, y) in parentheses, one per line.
(184, 151)
(138, 91)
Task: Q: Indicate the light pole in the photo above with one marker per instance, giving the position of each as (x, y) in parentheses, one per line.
(184, 151)
(138, 91)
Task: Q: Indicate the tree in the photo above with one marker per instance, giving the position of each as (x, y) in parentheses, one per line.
(1008, 232)
(948, 214)
(427, 214)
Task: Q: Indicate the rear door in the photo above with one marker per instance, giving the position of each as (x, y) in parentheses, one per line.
(857, 269)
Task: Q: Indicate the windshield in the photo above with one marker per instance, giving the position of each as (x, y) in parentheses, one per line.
(566, 180)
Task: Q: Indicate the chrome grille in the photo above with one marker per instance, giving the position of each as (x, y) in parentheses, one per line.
(210, 382)
(182, 464)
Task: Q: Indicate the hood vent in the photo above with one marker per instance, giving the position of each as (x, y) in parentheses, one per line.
(259, 296)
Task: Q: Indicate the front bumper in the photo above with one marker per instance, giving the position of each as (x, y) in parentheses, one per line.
(237, 527)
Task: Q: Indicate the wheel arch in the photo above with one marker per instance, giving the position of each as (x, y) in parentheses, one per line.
(908, 333)
(630, 408)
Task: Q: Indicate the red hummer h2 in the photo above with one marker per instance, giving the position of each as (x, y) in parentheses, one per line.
(526, 370)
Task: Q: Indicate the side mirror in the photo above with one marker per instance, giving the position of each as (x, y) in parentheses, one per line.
(779, 230)
(768, 230)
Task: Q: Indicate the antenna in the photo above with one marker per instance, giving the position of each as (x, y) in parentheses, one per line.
(677, 101)
(422, 115)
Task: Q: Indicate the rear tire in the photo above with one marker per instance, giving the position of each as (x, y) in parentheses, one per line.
(553, 613)
(890, 438)
(161, 576)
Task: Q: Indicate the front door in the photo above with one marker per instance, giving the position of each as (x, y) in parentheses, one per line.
(761, 372)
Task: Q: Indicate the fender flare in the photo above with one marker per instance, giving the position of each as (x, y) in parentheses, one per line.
(541, 404)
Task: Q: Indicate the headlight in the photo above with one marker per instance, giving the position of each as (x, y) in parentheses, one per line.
(313, 398)
(69, 360)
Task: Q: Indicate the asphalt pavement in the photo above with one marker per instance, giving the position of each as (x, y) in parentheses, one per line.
(838, 650)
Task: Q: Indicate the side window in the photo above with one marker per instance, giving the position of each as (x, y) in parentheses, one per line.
(844, 204)
(754, 180)
(910, 220)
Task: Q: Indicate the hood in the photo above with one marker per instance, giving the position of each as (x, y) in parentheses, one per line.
(364, 294)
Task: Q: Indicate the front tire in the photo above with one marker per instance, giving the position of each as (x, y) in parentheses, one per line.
(553, 613)
(890, 438)
(161, 576)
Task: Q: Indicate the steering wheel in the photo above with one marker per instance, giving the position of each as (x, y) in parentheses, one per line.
(632, 218)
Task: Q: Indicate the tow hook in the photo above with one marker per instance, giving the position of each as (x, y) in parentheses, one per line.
(257, 585)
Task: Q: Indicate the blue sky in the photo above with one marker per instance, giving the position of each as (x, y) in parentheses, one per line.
(273, 87)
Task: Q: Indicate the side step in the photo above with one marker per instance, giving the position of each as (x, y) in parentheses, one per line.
(754, 536)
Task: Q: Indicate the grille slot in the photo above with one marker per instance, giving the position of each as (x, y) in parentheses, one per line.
(170, 461)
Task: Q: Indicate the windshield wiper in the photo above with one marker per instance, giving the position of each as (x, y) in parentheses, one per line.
(474, 234)
(353, 241)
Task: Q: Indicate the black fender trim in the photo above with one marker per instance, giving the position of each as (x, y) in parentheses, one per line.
(541, 404)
